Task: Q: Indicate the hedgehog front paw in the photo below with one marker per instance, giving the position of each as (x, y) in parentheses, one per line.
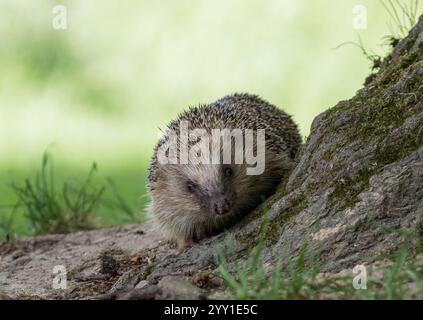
(183, 245)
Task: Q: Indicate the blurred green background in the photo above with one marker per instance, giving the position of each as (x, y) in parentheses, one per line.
(99, 90)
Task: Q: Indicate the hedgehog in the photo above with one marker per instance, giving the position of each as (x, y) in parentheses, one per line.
(192, 199)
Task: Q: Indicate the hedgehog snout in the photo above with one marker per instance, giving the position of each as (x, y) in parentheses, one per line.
(221, 205)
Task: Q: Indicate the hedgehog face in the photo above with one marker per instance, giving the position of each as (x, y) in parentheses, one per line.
(208, 191)
(212, 187)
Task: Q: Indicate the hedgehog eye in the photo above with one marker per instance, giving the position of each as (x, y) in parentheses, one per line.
(190, 187)
(228, 172)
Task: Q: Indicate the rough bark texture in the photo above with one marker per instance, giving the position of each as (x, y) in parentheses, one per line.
(360, 170)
